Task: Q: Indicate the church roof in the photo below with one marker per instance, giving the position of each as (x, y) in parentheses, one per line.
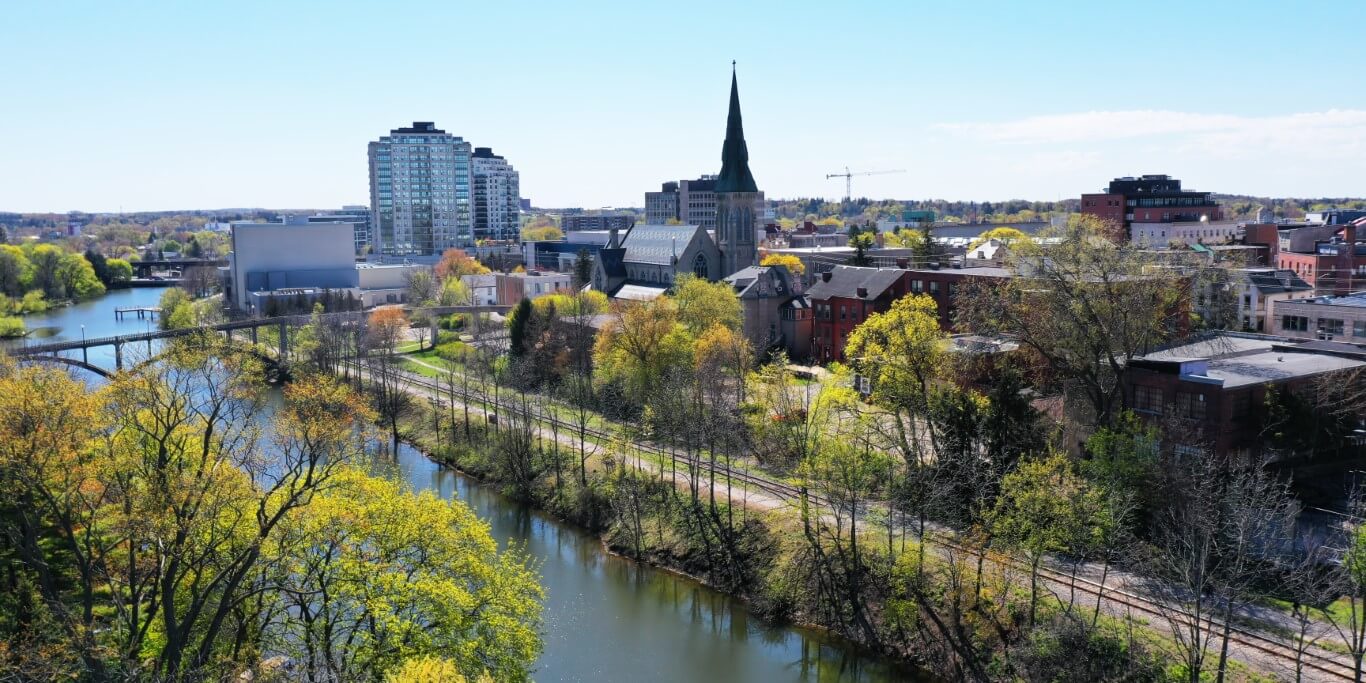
(657, 244)
(735, 175)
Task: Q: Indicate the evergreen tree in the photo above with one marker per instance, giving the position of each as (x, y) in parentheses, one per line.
(517, 327)
(583, 269)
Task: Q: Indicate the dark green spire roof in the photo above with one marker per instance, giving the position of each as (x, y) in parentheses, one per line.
(735, 175)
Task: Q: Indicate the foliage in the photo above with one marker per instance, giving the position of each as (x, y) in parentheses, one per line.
(547, 233)
(1083, 308)
(702, 304)
(793, 264)
(456, 263)
(179, 310)
(519, 322)
(164, 534)
(1005, 235)
(11, 326)
(644, 340)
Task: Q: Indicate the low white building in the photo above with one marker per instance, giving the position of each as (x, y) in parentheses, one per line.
(1193, 232)
(483, 288)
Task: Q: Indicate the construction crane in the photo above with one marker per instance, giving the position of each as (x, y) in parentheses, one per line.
(849, 178)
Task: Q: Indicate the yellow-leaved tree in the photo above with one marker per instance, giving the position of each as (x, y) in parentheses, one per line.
(793, 264)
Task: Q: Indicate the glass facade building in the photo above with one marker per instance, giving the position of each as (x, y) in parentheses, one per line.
(420, 191)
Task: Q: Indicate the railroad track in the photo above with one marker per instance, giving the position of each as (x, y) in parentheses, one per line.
(1334, 668)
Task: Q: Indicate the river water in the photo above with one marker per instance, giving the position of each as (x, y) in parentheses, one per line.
(607, 619)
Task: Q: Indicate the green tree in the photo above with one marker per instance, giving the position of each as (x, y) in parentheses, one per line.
(583, 269)
(702, 304)
(120, 271)
(46, 260)
(519, 325)
(1045, 506)
(15, 271)
(425, 575)
(77, 277)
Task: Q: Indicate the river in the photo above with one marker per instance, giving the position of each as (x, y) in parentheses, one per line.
(606, 618)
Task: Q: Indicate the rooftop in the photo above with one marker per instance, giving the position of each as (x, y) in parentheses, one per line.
(1353, 300)
(657, 244)
(846, 281)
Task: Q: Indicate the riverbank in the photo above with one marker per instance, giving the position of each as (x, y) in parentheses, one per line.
(589, 510)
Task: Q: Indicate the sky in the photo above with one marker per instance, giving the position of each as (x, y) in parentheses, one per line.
(150, 105)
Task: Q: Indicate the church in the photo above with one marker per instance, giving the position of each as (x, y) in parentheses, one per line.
(644, 262)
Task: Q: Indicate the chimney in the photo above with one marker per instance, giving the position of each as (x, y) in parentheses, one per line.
(863, 292)
(612, 239)
(825, 277)
(903, 263)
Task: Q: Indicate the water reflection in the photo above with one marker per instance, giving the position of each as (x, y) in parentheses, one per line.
(610, 619)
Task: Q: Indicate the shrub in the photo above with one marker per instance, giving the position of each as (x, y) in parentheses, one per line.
(11, 327)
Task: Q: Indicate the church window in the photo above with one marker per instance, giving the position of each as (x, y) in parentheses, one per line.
(699, 266)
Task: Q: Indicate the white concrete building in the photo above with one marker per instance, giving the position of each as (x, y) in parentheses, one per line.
(302, 260)
(497, 197)
(1193, 232)
(420, 191)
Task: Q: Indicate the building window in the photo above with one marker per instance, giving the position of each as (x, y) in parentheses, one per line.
(1359, 328)
(1190, 405)
(1330, 327)
(934, 287)
(917, 286)
(699, 266)
(1148, 399)
(1295, 323)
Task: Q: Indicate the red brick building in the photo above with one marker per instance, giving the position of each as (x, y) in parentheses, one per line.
(846, 296)
(1150, 199)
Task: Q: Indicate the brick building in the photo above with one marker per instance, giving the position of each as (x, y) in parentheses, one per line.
(1150, 199)
(1217, 388)
(845, 296)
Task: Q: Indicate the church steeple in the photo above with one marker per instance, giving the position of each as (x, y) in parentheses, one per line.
(735, 175)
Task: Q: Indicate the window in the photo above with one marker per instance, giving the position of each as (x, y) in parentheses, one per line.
(934, 287)
(1330, 327)
(1148, 399)
(1190, 405)
(917, 286)
(1359, 328)
(1295, 323)
(699, 266)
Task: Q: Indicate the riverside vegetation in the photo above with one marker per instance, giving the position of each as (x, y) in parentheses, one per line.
(168, 526)
(939, 443)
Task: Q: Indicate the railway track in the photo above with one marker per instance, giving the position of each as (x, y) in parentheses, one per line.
(1327, 667)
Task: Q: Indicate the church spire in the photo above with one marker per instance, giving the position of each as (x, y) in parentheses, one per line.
(735, 175)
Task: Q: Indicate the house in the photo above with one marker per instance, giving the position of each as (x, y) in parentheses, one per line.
(483, 288)
(1255, 290)
(776, 315)
(844, 297)
(513, 287)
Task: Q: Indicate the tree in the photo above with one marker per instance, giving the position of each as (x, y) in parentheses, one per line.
(861, 240)
(1004, 234)
(1084, 307)
(456, 263)
(422, 287)
(120, 271)
(643, 340)
(583, 269)
(1045, 506)
(77, 278)
(46, 260)
(519, 325)
(15, 271)
(1349, 578)
(385, 328)
(702, 304)
(548, 233)
(384, 576)
(97, 262)
(793, 264)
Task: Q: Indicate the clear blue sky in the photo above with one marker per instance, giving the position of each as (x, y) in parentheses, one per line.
(167, 105)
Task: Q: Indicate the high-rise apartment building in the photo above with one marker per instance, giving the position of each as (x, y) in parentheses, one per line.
(497, 196)
(690, 202)
(420, 191)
